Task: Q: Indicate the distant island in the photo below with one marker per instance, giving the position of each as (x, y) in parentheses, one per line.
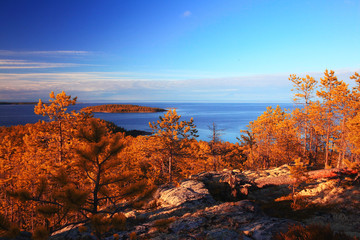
(122, 108)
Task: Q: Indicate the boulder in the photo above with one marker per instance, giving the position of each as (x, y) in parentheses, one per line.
(226, 186)
(189, 191)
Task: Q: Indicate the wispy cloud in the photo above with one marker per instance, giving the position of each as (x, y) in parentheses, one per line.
(45, 53)
(151, 86)
(186, 13)
(13, 62)
(24, 64)
(214, 90)
(131, 86)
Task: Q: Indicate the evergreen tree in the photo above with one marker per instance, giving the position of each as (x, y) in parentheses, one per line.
(328, 83)
(171, 131)
(215, 144)
(303, 92)
(98, 162)
(56, 110)
(299, 173)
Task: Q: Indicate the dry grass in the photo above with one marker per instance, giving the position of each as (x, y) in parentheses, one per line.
(133, 236)
(163, 224)
(311, 232)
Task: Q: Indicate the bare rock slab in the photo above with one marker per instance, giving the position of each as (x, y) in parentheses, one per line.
(188, 191)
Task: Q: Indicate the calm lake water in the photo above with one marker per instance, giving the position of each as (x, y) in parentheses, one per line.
(230, 117)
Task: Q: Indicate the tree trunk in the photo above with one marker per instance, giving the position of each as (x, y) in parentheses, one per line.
(60, 142)
(327, 146)
(305, 141)
(342, 144)
(214, 162)
(96, 191)
(170, 168)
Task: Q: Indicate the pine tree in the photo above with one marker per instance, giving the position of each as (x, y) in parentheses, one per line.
(215, 145)
(303, 92)
(299, 172)
(272, 137)
(56, 110)
(171, 131)
(248, 144)
(98, 161)
(328, 83)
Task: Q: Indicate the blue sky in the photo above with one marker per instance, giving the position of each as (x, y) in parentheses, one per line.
(186, 50)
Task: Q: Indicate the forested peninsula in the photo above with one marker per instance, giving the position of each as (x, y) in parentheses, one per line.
(122, 108)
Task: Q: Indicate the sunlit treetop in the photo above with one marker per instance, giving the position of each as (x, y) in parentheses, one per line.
(57, 108)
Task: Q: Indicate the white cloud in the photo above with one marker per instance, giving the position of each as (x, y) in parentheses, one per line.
(127, 81)
(13, 62)
(45, 53)
(214, 90)
(24, 64)
(186, 14)
(151, 86)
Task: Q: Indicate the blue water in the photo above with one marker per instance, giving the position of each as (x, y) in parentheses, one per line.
(230, 117)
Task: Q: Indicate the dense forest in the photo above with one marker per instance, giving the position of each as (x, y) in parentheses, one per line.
(122, 108)
(77, 169)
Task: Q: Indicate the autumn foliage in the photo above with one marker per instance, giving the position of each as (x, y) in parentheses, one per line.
(75, 169)
(122, 108)
(322, 129)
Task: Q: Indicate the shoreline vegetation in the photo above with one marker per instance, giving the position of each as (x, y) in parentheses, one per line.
(132, 132)
(122, 108)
